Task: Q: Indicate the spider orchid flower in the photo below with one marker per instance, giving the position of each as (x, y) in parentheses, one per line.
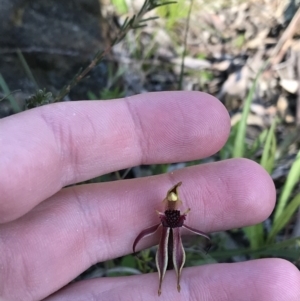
(170, 244)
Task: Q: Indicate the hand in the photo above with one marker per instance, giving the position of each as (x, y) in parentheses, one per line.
(50, 234)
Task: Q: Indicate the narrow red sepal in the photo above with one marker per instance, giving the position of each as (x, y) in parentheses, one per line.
(178, 254)
(145, 233)
(162, 255)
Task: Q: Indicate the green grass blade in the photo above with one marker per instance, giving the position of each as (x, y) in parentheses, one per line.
(268, 156)
(27, 68)
(258, 142)
(227, 150)
(284, 218)
(6, 91)
(292, 179)
(239, 144)
(255, 235)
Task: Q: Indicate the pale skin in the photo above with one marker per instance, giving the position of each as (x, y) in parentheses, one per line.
(50, 234)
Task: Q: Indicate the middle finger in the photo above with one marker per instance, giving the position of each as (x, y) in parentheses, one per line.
(82, 225)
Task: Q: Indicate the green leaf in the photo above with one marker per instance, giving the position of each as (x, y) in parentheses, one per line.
(129, 261)
(91, 95)
(284, 218)
(255, 235)
(40, 98)
(111, 93)
(292, 179)
(227, 151)
(258, 142)
(268, 156)
(239, 144)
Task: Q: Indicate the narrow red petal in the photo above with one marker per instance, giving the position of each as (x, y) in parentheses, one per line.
(199, 233)
(178, 254)
(162, 256)
(144, 233)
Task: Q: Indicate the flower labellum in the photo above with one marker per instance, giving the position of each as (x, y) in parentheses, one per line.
(170, 245)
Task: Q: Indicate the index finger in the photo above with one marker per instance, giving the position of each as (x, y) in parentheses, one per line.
(49, 147)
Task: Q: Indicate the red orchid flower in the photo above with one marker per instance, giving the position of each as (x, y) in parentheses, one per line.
(170, 244)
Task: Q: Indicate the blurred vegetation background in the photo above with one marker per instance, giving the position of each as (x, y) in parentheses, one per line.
(246, 53)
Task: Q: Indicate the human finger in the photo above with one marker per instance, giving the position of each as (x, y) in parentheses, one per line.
(257, 280)
(82, 225)
(52, 146)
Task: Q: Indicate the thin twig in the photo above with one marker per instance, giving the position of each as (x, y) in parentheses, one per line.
(185, 45)
(280, 49)
(135, 22)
